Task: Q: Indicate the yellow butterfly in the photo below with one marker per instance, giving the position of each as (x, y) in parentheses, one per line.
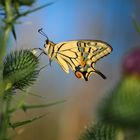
(79, 55)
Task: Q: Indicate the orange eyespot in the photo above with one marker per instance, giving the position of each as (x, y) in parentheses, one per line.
(78, 74)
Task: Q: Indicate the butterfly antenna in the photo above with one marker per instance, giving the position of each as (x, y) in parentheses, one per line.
(42, 33)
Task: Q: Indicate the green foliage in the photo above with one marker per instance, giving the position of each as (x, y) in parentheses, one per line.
(25, 107)
(100, 131)
(120, 109)
(122, 106)
(20, 69)
(22, 123)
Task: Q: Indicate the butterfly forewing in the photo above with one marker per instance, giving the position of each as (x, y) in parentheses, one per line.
(95, 49)
(69, 53)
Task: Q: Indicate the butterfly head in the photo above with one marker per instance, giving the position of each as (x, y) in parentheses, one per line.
(48, 46)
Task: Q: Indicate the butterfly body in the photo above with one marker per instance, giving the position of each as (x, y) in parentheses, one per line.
(79, 55)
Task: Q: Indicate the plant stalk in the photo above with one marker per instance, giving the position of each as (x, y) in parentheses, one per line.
(5, 103)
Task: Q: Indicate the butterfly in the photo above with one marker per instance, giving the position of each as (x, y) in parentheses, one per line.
(79, 55)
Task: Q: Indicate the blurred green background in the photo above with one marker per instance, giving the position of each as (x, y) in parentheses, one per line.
(107, 20)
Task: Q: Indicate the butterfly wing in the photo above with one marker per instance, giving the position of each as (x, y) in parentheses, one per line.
(81, 56)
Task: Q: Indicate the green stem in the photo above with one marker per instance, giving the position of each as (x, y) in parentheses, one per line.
(5, 103)
(5, 118)
(4, 39)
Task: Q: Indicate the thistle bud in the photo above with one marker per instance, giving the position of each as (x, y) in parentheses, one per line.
(20, 69)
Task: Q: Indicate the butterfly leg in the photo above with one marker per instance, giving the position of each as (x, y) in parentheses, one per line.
(50, 61)
(43, 67)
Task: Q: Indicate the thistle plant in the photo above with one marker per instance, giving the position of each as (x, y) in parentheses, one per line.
(18, 69)
(100, 131)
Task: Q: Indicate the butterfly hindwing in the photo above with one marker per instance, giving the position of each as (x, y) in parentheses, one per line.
(91, 51)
